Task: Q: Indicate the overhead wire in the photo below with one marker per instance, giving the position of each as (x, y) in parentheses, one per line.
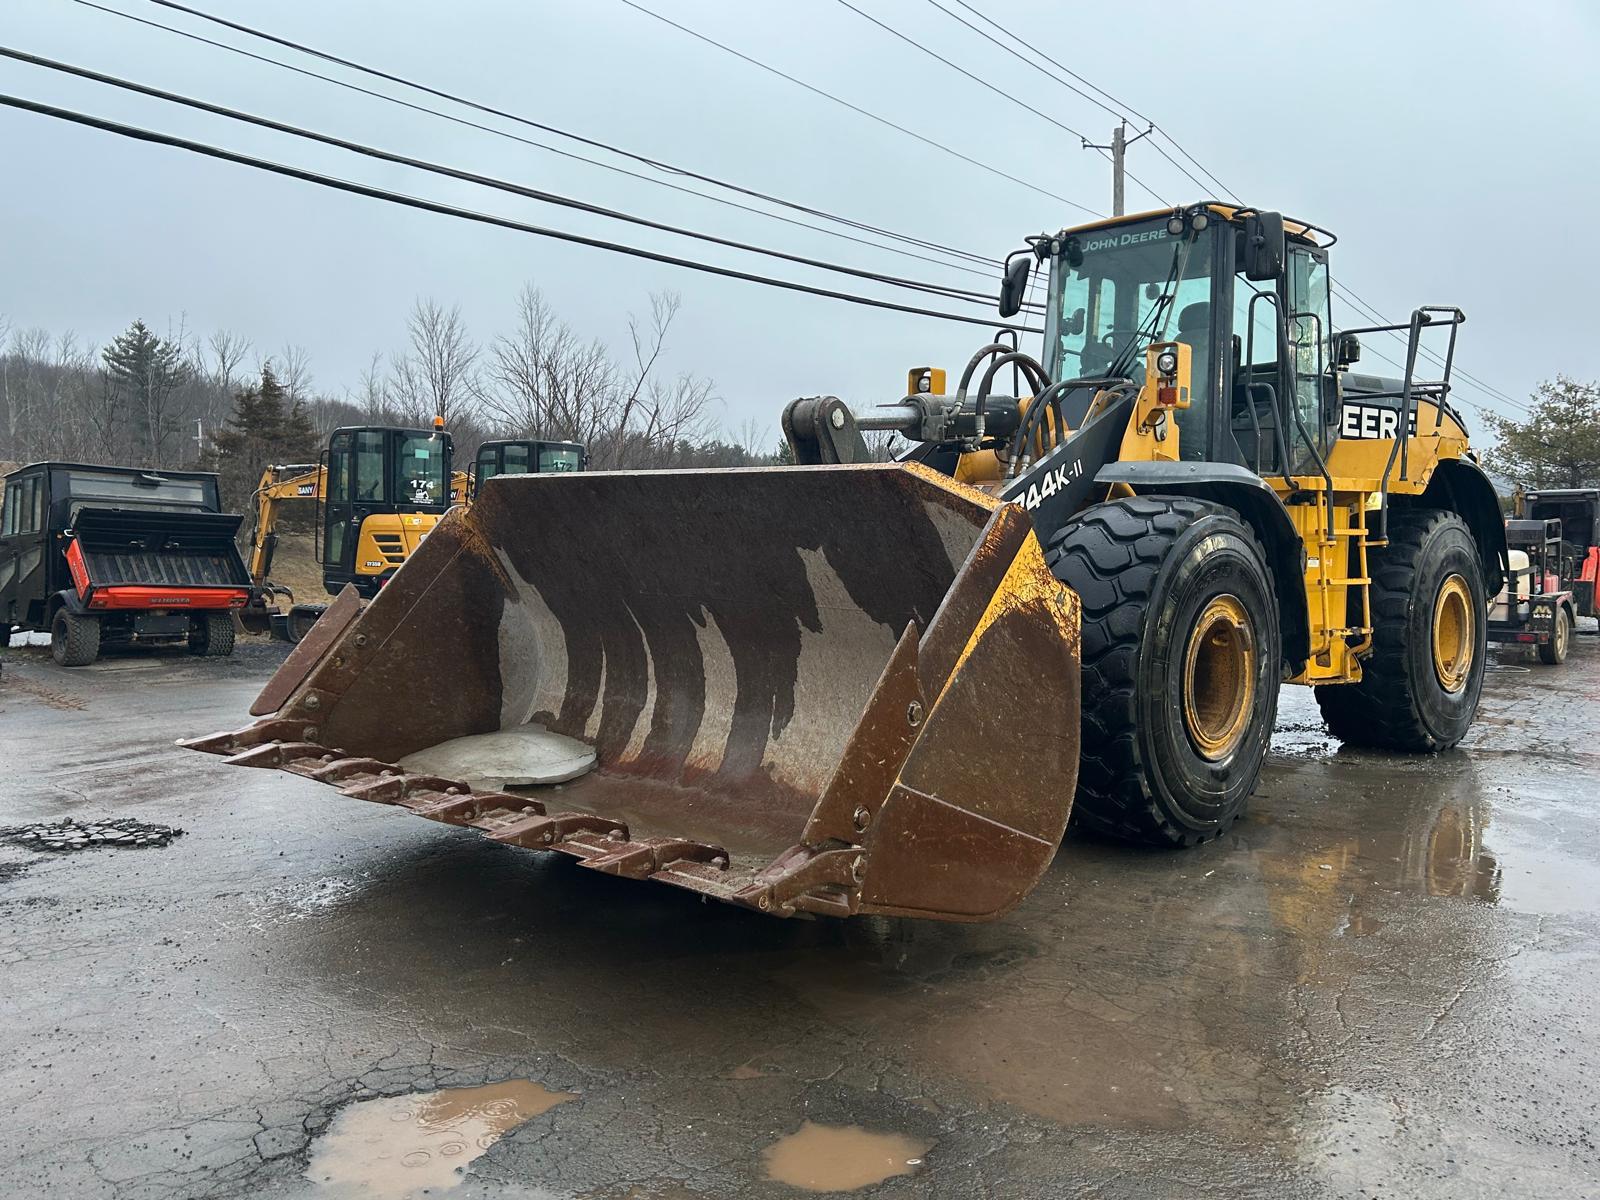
(154, 137)
(1121, 109)
(1368, 310)
(856, 108)
(1120, 113)
(582, 139)
(1001, 92)
(537, 194)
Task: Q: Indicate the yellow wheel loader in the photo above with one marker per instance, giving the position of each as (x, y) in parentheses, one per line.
(848, 687)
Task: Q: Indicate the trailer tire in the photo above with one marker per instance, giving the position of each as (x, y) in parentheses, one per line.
(211, 634)
(1181, 665)
(74, 638)
(1554, 652)
(1419, 687)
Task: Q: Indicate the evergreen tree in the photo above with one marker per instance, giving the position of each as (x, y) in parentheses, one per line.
(147, 373)
(1558, 445)
(265, 428)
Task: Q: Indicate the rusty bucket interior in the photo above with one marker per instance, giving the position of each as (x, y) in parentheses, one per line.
(823, 689)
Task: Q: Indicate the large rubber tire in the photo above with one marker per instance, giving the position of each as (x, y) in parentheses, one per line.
(1401, 702)
(1146, 569)
(1554, 652)
(74, 638)
(211, 634)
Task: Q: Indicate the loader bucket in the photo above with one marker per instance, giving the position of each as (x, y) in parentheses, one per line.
(828, 690)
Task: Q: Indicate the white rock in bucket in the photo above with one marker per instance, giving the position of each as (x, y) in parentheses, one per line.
(522, 757)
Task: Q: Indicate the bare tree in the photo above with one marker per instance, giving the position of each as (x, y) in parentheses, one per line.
(292, 366)
(443, 360)
(543, 381)
(227, 352)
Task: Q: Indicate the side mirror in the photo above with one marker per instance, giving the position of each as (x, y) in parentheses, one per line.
(1346, 349)
(1262, 246)
(1015, 284)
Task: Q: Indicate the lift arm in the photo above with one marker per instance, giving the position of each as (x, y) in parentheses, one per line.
(308, 482)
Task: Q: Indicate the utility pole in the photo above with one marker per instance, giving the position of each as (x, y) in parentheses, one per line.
(1120, 141)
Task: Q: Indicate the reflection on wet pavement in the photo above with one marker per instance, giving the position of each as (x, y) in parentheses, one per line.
(830, 1158)
(397, 1147)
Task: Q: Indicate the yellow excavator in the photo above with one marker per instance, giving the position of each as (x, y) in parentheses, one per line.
(379, 490)
(848, 687)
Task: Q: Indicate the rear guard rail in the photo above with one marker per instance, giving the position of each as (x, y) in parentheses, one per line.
(828, 690)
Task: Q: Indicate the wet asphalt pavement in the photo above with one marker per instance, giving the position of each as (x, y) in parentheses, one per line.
(1383, 982)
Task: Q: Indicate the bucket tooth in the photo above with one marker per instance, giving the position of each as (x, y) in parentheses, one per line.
(278, 754)
(542, 832)
(464, 810)
(341, 769)
(641, 860)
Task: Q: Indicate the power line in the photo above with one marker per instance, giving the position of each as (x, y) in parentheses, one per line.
(990, 264)
(855, 108)
(1120, 113)
(360, 189)
(1121, 110)
(1371, 313)
(490, 182)
(656, 164)
(1001, 92)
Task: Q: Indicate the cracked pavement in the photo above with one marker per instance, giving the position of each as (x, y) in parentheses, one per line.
(1380, 983)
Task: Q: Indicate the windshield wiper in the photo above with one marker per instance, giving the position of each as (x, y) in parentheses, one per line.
(1122, 365)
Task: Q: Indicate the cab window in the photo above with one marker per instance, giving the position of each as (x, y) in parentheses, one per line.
(368, 473)
(419, 471)
(559, 458)
(516, 461)
(24, 507)
(1308, 335)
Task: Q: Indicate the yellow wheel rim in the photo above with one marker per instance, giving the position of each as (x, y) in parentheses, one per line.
(1453, 634)
(1219, 678)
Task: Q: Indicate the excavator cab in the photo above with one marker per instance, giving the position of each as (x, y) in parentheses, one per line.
(386, 489)
(520, 456)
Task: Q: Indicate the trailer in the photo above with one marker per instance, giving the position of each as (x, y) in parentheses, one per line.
(1578, 510)
(1538, 606)
(102, 556)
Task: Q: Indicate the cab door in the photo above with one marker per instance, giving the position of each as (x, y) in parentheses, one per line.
(338, 513)
(22, 541)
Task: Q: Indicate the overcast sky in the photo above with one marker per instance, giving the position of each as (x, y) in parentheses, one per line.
(1450, 146)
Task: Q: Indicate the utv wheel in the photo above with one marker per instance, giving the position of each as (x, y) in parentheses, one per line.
(1554, 652)
(211, 634)
(1181, 665)
(1419, 686)
(74, 638)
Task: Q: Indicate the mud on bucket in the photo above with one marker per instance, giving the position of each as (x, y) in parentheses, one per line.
(812, 689)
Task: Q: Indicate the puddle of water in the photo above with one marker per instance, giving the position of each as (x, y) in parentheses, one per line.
(397, 1146)
(1303, 740)
(835, 1158)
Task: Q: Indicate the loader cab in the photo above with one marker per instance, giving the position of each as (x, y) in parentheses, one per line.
(526, 457)
(1247, 295)
(386, 488)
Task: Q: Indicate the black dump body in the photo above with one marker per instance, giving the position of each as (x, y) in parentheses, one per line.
(129, 547)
